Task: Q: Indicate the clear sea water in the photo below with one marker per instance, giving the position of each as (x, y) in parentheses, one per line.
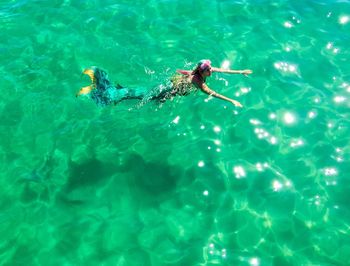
(193, 181)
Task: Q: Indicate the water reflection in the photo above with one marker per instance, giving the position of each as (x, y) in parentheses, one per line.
(239, 172)
(288, 24)
(254, 262)
(339, 99)
(289, 118)
(331, 47)
(260, 167)
(217, 129)
(344, 19)
(277, 185)
(296, 143)
(201, 164)
(286, 67)
(312, 114)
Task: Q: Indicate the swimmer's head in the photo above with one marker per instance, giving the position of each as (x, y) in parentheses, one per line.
(204, 64)
(203, 67)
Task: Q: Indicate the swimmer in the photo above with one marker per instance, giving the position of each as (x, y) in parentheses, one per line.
(203, 70)
(103, 92)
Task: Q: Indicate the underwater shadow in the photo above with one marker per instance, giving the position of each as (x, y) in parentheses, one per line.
(91, 172)
(152, 177)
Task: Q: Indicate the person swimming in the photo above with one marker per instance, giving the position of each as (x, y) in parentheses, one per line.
(103, 92)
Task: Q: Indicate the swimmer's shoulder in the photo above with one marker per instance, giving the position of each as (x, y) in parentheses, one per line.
(184, 72)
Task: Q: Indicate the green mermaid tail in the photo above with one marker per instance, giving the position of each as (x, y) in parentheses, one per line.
(103, 92)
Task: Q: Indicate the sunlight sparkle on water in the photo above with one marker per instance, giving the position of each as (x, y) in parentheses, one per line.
(255, 121)
(286, 67)
(346, 86)
(225, 64)
(329, 45)
(254, 262)
(344, 19)
(289, 118)
(311, 114)
(273, 140)
(261, 166)
(176, 120)
(276, 185)
(288, 24)
(223, 253)
(217, 129)
(201, 164)
(296, 143)
(272, 116)
(261, 133)
(330, 171)
(239, 172)
(288, 183)
(339, 99)
(339, 158)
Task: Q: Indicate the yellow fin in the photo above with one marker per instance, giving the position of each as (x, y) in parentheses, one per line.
(85, 90)
(91, 73)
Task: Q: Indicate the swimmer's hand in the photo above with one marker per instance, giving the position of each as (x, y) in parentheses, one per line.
(236, 103)
(246, 72)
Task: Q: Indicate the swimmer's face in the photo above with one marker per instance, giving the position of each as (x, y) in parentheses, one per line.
(207, 71)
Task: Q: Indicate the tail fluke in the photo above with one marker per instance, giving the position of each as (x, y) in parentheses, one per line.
(86, 90)
(91, 73)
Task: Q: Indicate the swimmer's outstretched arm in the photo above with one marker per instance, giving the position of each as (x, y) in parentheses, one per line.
(207, 90)
(229, 71)
(184, 72)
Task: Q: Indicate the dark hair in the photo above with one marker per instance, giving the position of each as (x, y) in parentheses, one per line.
(197, 70)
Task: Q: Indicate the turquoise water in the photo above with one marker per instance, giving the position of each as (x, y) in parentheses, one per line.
(194, 181)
